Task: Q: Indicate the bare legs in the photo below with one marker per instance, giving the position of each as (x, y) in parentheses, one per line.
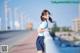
(40, 51)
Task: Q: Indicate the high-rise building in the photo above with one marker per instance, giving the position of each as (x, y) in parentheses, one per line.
(6, 14)
(76, 22)
(30, 25)
(2, 22)
(11, 18)
(79, 10)
(76, 25)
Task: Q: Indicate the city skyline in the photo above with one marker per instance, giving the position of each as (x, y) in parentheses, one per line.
(63, 14)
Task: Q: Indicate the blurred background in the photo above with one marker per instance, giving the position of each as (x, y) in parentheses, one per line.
(19, 20)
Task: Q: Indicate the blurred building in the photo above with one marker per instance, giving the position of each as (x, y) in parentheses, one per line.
(0, 23)
(76, 22)
(11, 18)
(2, 18)
(79, 10)
(76, 25)
(6, 20)
(30, 25)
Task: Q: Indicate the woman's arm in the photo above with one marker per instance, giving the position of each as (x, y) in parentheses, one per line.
(41, 30)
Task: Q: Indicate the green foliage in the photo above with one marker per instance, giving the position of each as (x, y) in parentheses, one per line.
(66, 29)
(55, 28)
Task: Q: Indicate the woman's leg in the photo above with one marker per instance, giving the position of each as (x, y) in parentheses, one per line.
(40, 51)
(40, 45)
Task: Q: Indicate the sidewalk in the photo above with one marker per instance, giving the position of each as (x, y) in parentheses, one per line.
(26, 45)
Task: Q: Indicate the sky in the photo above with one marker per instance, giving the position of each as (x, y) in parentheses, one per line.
(63, 14)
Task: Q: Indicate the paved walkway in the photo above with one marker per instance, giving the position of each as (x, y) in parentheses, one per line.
(25, 45)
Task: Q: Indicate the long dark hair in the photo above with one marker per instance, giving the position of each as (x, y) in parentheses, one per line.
(43, 13)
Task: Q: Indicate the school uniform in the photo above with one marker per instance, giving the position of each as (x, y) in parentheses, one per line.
(45, 41)
(40, 40)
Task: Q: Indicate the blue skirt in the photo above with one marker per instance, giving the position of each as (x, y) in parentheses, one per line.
(40, 43)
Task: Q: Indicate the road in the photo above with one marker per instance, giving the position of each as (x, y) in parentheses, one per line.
(17, 41)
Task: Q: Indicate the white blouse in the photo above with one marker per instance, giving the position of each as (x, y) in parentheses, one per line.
(43, 25)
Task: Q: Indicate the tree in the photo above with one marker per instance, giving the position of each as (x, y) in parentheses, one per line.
(66, 29)
(55, 28)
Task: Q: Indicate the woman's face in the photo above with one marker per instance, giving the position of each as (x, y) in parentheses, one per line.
(46, 15)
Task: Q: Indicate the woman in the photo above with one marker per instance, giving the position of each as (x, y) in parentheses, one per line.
(44, 41)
